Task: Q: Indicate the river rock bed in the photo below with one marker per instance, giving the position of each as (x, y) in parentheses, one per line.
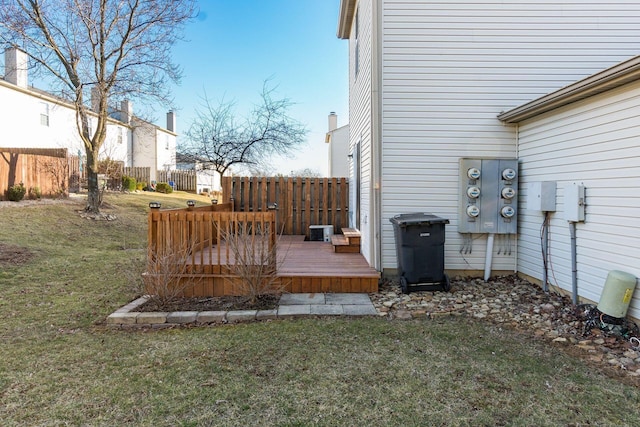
(521, 305)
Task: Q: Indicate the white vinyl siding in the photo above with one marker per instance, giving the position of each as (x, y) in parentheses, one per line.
(360, 86)
(595, 142)
(449, 68)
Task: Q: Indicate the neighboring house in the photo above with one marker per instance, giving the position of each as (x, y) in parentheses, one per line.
(208, 180)
(32, 118)
(427, 81)
(338, 140)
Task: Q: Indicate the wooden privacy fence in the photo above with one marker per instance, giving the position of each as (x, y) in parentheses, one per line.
(38, 169)
(301, 202)
(141, 174)
(206, 245)
(184, 180)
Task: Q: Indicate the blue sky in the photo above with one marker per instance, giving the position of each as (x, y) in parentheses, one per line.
(235, 45)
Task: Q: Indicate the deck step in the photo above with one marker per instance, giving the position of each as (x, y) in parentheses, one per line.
(353, 235)
(346, 243)
(339, 240)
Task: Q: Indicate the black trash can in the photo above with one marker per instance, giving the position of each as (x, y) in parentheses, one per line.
(420, 252)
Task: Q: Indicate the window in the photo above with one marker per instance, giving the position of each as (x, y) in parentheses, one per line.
(166, 142)
(120, 138)
(44, 114)
(357, 45)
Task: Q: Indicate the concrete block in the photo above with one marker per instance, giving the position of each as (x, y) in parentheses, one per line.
(182, 317)
(267, 314)
(133, 305)
(326, 310)
(122, 318)
(211, 317)
(294, 310)
(302, 299)
(152, 318)
(241, 315)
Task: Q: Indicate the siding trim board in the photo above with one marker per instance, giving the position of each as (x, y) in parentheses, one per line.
(608, 79)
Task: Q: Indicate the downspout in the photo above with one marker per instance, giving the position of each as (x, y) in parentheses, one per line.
(376, 120)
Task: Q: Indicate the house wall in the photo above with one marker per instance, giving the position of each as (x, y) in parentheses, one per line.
(153, 147)
(20, 112)
(360, 120)
(339, 152)
(448, 69)
(593, 142)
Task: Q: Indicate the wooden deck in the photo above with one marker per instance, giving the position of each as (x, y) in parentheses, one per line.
(315, 267)
(303, 266)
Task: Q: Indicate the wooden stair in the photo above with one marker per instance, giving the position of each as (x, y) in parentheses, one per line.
(347, 242)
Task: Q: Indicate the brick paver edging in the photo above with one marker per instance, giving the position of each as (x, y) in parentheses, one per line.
(127, 318)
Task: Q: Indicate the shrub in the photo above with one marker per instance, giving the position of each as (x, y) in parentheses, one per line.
(164, 187)
(35, 193)
(16, 192)
(165, 270)
(128, 183)
(255, 259)
(141, 186)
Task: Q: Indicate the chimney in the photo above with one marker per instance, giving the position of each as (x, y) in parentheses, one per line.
(126, 111)
(333, 121)
(15, 67)
(171, 121)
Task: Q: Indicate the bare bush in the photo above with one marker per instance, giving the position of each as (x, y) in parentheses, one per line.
(166, 271)
(255, 258)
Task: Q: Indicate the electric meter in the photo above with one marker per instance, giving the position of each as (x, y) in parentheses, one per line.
(507, 212)
(509, 174)
(473, 173)
(508, 193)
(473, 211)
(473, 192)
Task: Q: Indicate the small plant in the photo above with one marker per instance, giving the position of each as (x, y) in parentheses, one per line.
(141, 186)
(35, 193)
(16, 192)
(165, 270)
(255, 257)
(129, 183)
(164, 187)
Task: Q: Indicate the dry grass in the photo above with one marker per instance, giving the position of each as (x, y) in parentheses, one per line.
(60, 366)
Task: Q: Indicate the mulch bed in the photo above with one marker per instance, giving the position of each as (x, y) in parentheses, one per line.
(265, 302)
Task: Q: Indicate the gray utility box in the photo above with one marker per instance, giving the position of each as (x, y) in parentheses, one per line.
(420, 252)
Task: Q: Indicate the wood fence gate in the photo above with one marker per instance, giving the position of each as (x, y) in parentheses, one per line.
(301, 202)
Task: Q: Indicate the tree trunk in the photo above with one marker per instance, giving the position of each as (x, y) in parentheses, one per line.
(93, 198)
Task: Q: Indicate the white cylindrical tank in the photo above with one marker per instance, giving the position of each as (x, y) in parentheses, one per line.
(617, 293)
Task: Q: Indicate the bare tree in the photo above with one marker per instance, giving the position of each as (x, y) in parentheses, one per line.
(98, 51)
(218, 141)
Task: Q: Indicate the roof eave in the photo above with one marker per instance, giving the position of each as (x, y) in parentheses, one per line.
(345, 19)
(608, 79)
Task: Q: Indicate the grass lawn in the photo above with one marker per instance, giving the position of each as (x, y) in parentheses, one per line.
(59, 365)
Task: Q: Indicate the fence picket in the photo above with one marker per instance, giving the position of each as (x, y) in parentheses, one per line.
(301, 201)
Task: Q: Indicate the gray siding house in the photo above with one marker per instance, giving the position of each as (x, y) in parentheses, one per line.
(427, 82)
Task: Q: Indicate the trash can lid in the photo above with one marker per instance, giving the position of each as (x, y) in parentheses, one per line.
(417, 218)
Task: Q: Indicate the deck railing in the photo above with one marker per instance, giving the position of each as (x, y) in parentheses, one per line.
(209, 238)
